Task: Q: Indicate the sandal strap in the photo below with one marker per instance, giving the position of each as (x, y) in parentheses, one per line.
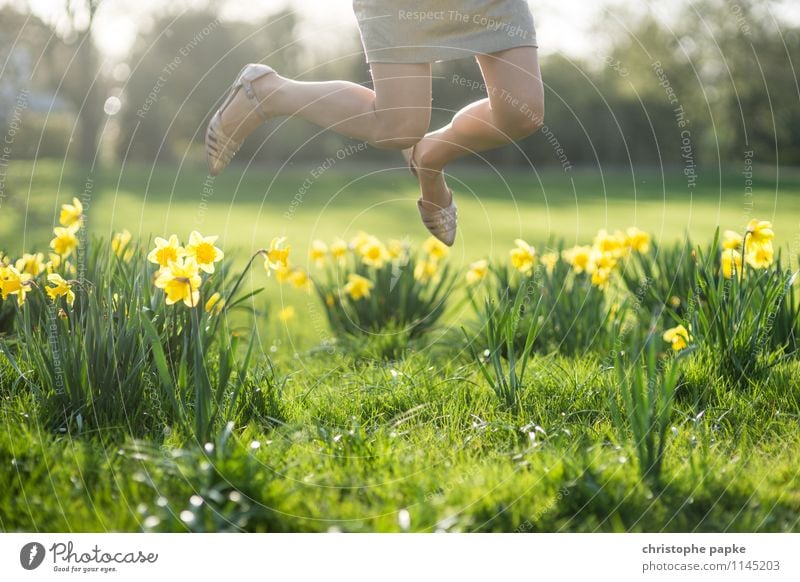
(250, 93)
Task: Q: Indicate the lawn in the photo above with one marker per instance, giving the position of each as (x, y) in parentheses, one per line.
(120, 413)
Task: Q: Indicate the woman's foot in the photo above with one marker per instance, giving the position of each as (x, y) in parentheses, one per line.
(435, 193)
(244, 109)
(240, 118)
(436, 206)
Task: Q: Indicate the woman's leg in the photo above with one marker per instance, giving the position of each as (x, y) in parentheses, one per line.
(395, 115)
(513, 110)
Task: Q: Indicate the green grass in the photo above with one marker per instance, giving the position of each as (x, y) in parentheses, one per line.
(338, 440)
(247, 208)
(356, 442)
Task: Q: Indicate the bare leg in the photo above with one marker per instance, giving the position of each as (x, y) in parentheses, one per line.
(513, 110)
(394, 116)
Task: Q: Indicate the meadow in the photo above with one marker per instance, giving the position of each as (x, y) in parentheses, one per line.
(596, 353)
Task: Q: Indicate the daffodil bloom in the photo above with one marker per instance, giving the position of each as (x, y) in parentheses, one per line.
(166, 251)
(612, 244)
(202, 249)
(637, 239)
(60, 288)
(71, 214)
(120, 242)
(578, 257)
(357, 286)
(54, 262)
(477, 271)
(276, 256)
(523, 256)
(299, 279)
(373, 252)
(732, 240)
(330, 300)
(760, 256)
(397, 249)
(360, 240)
(731, 261)
(601, 261)
(215, 303)
(12, 282)
(31, 264)
(181, 281)
(549, 261)
(677, 337)
(339, 250)
(65, 240)
(601, 277)
(759, 232)
(283, 273)
(425, 271)
(318, 252)
(287, 313)
(435, 248)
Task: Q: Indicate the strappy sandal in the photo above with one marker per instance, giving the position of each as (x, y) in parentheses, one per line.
(440, 222)
(221, 148)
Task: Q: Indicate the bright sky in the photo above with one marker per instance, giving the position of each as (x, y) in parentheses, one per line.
(561, 25)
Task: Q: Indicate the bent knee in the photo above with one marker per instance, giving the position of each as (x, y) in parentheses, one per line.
(400, 133)
(521, 121)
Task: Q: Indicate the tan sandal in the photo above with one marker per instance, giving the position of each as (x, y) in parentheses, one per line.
(220, 148)
(440, 222)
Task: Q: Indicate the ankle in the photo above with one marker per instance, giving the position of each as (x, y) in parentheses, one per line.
(425, 158)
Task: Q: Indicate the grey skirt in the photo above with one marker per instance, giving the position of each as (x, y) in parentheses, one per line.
(441, 30)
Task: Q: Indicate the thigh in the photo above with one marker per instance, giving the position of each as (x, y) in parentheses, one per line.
(514, 81)
(402, 90)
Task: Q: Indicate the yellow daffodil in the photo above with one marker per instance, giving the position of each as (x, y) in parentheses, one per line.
(54, 262)
(357, 286)
(549, 261)
(181, 281)
(330, 300)
(287, 313)
(360, 240)
(760, 256)
(601, 278)
(31, 264)
(425, 271)
(523, 256)
(339, 250)
(759, 232)
(477, 271)
(318, 252)
(65, 240)
(731, 261)
(202, 250)
(397, 249)
(435, 248)
(373, 253)
(71, 214)
(612, 244)
(283, 273)
(214, 303)
(637, 239)
(677, 337)
(732, 240)
(299, 279)
(60, 288)
(166, 251)
(12, 282)
(120, 242)
(276, 256)
(578, 257)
